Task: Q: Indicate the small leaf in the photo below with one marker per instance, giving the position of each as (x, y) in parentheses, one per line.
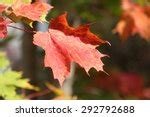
(28, 13)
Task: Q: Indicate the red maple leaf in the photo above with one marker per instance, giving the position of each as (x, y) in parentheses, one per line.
(61, 50)
(28, 12)
(135, 19)
(3, 27)
(60, 23)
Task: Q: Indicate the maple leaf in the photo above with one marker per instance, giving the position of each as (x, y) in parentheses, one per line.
(135, 19)
(3, 27)
(61, 50)
(60, 23)
(28, 12)
(64, 44)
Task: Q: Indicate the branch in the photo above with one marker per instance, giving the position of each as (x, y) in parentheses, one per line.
(25, 30)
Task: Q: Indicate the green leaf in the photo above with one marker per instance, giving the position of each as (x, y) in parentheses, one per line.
(9, 92)
(11, 80)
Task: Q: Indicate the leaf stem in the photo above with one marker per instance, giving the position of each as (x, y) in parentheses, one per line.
(38, 94)
(25, 30)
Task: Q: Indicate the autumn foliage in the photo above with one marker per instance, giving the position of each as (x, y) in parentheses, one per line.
(61, 42)
(82, 31)
(69, 45)
(134, 20)
(64, 44)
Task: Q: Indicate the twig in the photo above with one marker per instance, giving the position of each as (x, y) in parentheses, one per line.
(25, 30)
(38, 94)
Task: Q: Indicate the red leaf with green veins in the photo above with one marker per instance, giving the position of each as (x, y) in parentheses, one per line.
(60, 23)
(3, 28)
(62, 49)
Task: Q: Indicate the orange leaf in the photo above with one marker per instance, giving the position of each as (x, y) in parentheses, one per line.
(32, 11)
(135, 19)
(28, 12)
